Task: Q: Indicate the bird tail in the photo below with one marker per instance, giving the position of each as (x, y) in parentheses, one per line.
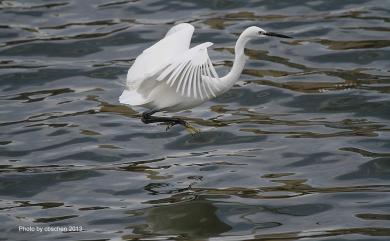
(133, 98)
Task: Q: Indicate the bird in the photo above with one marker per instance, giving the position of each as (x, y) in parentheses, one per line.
(170, 76)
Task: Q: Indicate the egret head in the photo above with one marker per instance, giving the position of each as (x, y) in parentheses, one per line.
(255, 32)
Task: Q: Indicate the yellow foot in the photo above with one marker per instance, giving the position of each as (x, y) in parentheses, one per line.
(192, 130)
(170, 125)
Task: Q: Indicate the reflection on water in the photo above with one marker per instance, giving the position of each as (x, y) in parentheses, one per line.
(298, 149)
(194, 219)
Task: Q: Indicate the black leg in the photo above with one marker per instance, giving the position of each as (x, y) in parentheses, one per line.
(147, 117)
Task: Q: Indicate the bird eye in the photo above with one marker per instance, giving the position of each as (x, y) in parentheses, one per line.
(261, 32)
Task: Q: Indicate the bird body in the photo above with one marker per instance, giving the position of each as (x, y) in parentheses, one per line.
(171, 76)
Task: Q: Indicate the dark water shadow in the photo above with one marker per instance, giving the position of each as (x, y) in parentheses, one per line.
(351, 102)
(356, 57)
(378, 168)
(303, 209)
(13, 81)
(194, 219)
(22, 186)
(248, 97)
(76, 48)
(313, 159)
(211, 138)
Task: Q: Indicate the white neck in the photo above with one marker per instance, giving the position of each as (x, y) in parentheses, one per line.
(239, 62)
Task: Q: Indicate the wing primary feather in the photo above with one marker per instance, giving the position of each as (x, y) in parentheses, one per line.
(186, 79)
(189, 84)
(183, 75)
(175, 73)
(200, 82)
(192, 74)
(204, 82)
(195, 80)
(209, 79)
(166, 72)
(179, 74)
(197, 83)
(215, 75)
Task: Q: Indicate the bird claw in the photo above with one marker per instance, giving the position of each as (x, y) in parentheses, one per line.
(192, 130)
(170, 125)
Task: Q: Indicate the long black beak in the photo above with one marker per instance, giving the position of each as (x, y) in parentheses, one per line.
(276, 35)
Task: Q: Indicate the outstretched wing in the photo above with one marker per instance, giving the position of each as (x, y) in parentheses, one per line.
(152, 61)
(192, 74)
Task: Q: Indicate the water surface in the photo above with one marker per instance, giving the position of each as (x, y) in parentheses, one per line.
(298, 150)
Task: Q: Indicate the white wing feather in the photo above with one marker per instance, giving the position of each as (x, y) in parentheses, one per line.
(152, 61)
(189, 72)
(192, 74)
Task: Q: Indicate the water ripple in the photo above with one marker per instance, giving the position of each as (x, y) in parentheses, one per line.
(297, 149)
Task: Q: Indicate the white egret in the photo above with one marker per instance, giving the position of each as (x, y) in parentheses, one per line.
(170, 76)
